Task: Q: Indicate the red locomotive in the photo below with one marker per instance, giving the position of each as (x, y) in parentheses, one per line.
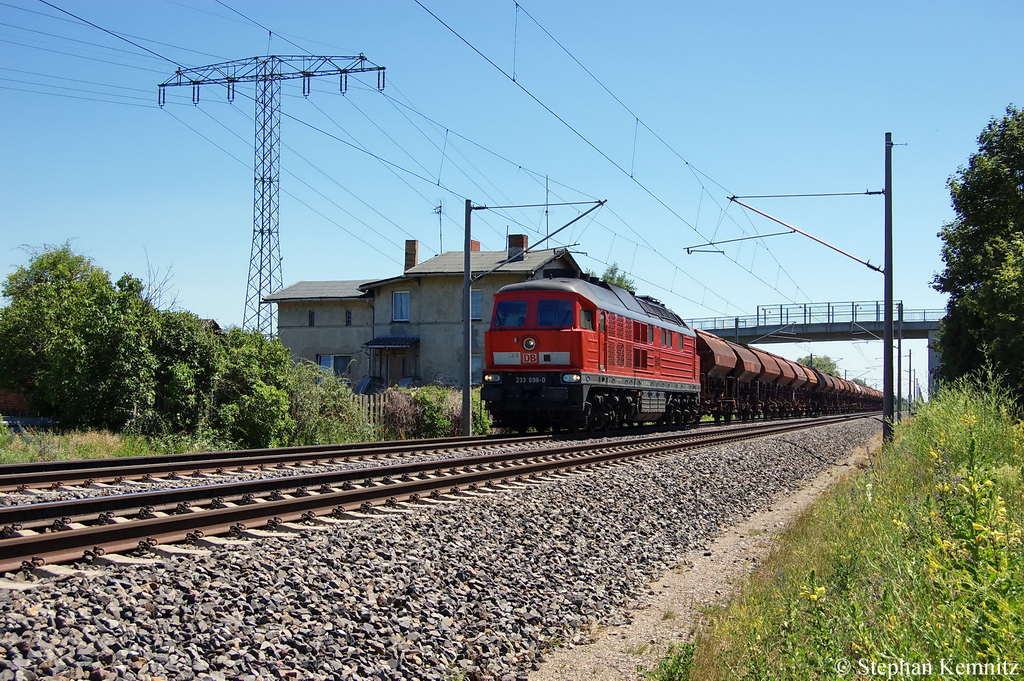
(582, 353)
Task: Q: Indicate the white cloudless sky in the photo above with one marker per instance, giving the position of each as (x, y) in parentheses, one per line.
(664, 109)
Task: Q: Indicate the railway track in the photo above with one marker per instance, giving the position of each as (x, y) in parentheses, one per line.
(55, 532)
(53, 474)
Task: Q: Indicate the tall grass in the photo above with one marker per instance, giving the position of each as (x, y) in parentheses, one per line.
(47, 446)
(917, 562)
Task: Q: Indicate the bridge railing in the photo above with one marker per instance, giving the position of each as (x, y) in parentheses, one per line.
(817, 313)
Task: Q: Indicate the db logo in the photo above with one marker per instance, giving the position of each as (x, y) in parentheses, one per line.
(531, 358)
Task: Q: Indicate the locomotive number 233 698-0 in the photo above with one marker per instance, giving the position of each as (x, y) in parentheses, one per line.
(531, 379)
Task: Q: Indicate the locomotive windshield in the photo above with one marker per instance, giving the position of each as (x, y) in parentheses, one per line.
(510, 313)
(556, 313)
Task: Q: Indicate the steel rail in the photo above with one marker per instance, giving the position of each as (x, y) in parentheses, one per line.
(18, 477)
(75, 544)
(32, 516)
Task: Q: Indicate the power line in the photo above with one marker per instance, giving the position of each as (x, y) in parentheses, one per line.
(293, 196)
(80, 56)
(600, 152)
(119, 37)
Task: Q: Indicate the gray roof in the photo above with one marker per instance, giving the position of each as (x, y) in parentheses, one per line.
(318, 290)
(451, 263)
(392, 342)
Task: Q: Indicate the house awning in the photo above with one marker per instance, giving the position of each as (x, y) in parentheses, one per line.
(392, 342)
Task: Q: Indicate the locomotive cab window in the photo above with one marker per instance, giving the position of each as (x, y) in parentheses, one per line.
(587, 319)
(510, 313)
(557, 313)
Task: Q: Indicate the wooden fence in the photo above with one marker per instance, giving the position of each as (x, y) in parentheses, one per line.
(373, 405)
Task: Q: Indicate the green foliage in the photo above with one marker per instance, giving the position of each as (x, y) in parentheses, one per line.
(613, 275)
(250, 403)
(440, 411)
(323, 409)
(29, 446)
(78, 345)
(428, 412)
(821, 363)
(5, 434)
(675, 666)
(190, 354)
(983, 249)
(919, 560)
(96, 355)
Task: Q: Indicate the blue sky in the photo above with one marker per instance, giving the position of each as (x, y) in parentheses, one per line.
(666, 108)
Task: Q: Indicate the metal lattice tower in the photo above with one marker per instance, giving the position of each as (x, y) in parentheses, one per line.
(267, 72)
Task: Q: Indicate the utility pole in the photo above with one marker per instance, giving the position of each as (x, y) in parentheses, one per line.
(898, 331)
(910, 374)
(467, 325)
(887, 401)
(267, 72)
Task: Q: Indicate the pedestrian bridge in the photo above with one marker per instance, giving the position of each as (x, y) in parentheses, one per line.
(806, 322)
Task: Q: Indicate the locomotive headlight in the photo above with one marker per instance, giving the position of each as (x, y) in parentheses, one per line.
(571, 378)
(492, 378)
(529, 342)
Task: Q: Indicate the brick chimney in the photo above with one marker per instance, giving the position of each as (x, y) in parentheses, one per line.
(412, 254)
(474, 245)
(517, 243)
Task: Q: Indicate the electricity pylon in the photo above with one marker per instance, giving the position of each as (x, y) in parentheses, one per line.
(267, 72)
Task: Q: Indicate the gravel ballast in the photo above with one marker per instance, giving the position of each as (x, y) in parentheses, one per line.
(474, 589)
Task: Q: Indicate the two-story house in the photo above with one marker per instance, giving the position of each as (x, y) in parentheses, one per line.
(407, 329)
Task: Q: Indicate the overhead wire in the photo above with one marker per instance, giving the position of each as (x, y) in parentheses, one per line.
(398, 167)
(535, 176)
(285, 191)
(591, 144)
(250, 119)
(116, 35)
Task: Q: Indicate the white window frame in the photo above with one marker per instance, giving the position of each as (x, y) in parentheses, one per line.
(395, 308)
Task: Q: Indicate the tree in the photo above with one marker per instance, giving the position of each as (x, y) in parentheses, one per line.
(613, 275)
(76, 344)
(190, 355)
(95, 354)
(251, 405)
(983, 248)
(821, 363)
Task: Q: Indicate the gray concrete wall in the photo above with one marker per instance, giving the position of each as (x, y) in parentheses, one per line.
(329, 335)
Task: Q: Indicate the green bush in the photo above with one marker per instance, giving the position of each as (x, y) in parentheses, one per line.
(919, 560)
(323, 410)
(5, 433)
(429, 412)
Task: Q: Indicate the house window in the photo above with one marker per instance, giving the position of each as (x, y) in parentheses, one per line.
(312, 318)
(336, 364)
(348, 317)
(400, 306)
(475, 299)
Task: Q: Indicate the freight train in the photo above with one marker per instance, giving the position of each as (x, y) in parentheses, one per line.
(581, 353)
